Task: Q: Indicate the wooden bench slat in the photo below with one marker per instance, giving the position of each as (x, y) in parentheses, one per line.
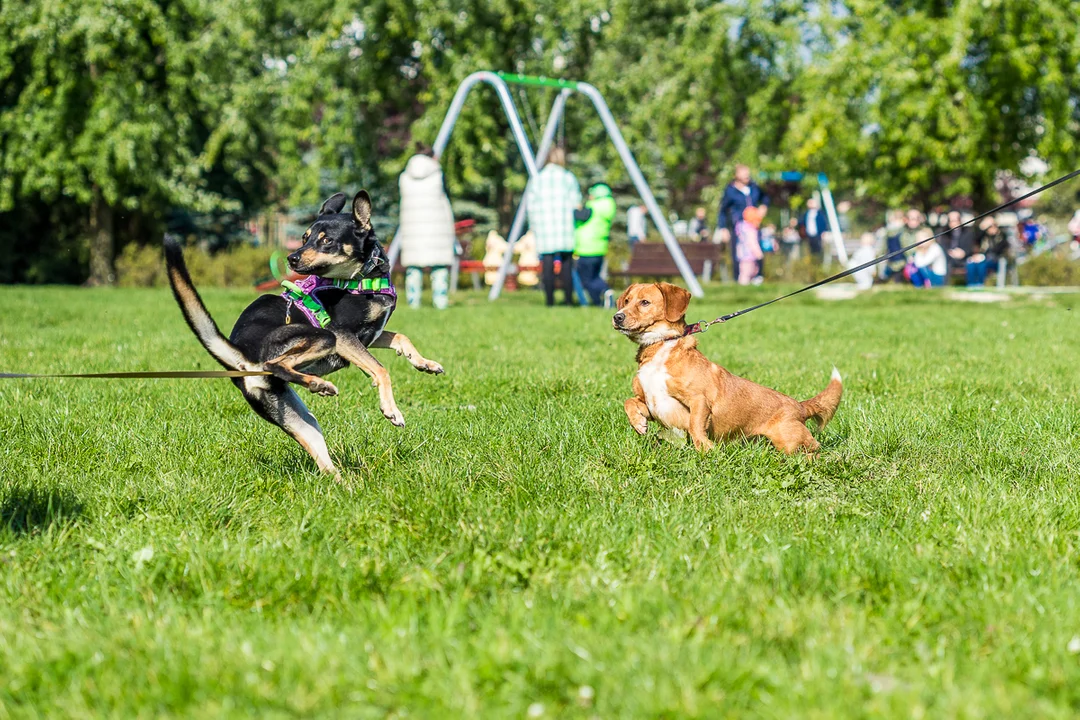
(654, 260)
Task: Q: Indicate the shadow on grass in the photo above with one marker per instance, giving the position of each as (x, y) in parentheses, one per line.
(26, 510)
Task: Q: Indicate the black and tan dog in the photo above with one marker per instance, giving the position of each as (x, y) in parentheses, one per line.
(274, 334)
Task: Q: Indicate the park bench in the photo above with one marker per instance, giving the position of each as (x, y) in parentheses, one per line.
(652, 260)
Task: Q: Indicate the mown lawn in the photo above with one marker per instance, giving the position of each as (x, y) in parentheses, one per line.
(516, 550)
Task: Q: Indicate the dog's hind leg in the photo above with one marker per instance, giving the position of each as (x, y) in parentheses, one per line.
(700, 413)
(403, 346)
(295, 348)
(277, 402)
(354, 351)
(791, 436)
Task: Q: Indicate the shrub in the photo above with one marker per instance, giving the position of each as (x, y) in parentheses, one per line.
(803, 271)
(1052, 269)
(144, 266)
(140, 266)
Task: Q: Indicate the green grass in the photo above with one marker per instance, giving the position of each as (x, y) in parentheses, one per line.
(517, 550)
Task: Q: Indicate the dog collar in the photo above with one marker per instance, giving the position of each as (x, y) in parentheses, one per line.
(303, 295)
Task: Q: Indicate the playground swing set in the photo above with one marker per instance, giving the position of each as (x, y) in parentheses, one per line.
(501, 81)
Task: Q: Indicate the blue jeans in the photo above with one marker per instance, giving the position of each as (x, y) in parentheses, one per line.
(922, 277)
(588, 269)
(976, 272)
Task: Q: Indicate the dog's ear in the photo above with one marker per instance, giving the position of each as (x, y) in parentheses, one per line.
(621, 302)
(676, 300)
(361, 210)
(333, 204)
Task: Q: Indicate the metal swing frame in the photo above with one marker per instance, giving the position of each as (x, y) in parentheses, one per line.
(500, 82)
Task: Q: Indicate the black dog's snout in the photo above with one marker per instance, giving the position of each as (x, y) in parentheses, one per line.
(619, 317)
(294, 260)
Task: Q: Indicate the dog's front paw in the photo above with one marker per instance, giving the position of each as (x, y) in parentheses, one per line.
(640, 425)
(323, 387)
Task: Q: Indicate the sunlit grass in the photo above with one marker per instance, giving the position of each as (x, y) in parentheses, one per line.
(517, 549)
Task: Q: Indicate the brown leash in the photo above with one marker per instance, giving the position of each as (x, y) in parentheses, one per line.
(700, 327)
(161, 374)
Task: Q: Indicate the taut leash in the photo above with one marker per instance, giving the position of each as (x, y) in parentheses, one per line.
(160, 374)
(700, 327)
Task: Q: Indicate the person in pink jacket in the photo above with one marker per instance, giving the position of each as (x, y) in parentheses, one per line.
(748, 243)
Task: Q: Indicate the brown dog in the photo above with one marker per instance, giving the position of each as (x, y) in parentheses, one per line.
(682, 390)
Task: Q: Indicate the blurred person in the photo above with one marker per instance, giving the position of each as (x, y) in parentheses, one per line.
(636, 228)
(929, 264)
(742, 192)
(790, 240)
(699, 227)
(591, 239)
(814, 224)
(843, 215)
(976, 264)
(1074, 227)
(768, 239)
(958, 242)
(894, 226)
(867, 251)
(913, 223)
(747, 244)
(1030, 231)
(426, 230)
(993, 243)
(551, 199)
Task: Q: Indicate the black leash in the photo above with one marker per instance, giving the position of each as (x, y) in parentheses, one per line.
(148, 374)
(700, 327)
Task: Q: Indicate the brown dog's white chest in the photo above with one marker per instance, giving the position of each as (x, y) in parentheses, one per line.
(654, 376)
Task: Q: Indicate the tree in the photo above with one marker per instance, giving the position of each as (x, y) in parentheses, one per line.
(129, 108)
(928, 101)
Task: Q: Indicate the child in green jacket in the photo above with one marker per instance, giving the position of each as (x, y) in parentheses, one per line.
(591, 238)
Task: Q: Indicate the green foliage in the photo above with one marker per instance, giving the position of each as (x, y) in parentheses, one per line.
(120, 113)
(144, 266)
(163, 552)
(926, 101)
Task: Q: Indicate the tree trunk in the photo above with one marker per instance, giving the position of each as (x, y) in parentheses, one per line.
(101, 242)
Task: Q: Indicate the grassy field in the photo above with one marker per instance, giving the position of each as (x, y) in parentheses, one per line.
(516, 550)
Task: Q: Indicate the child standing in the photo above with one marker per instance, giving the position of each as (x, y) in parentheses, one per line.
(748, 247)
(864, 279)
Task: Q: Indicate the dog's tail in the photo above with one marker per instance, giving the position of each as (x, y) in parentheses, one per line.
(196, 314)
(822, 406)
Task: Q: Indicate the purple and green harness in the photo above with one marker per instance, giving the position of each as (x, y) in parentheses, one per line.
(303, 295)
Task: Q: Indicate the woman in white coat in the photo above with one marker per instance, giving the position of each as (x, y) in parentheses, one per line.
(426, 230)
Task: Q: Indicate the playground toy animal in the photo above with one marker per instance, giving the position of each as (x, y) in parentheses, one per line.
(324, 323)
(681, 389)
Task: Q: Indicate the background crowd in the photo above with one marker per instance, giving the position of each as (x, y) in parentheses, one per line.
(571, 233)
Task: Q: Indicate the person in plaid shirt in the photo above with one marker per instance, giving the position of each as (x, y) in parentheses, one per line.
(551, 199)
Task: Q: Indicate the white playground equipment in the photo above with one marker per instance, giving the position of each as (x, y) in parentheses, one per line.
(500, 81)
